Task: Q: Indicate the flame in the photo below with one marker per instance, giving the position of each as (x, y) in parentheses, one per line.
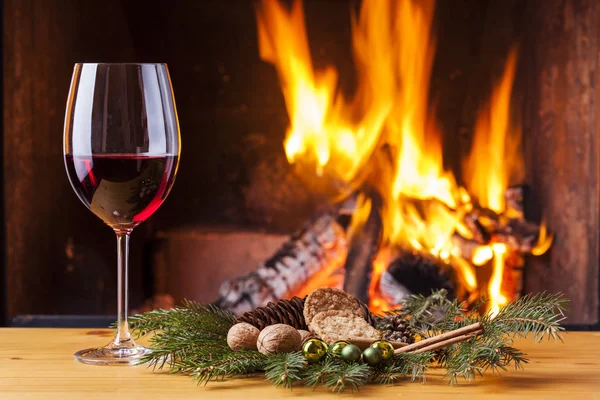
(482, 255)
(494, 162)
(330, 276)
(466, 272)
(321, 131)
(359, 216)
(544, 241)
(497, 299)
(385, 134)
(495, 159)
(377, 303)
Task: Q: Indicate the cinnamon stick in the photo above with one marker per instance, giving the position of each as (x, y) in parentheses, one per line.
(364, 343)
(448, 342)
(475, 328)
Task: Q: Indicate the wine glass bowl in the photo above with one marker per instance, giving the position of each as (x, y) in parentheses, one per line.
(121, 150)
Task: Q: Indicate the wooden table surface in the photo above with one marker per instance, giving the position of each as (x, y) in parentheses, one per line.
(38, 363)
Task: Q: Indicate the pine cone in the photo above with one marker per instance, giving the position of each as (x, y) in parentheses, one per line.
(369, 317)
(395, 328)
(289, 312)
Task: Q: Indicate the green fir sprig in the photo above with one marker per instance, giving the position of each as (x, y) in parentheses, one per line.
(192, 340)
(285, 369)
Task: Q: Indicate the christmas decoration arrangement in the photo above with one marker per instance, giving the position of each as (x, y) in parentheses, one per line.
(332, 339)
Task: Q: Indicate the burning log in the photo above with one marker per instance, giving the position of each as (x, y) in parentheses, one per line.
(333, 245)
(467, 246)
(320, 246)
(479, 221)
(392, 291)
(413, 273)
(518, 234)
(363, 248)
(514, 197)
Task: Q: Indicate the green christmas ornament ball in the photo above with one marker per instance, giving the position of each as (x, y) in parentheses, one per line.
(372, 356)
(385, 347)
(336, 349)
(350, 353)
(314, 350)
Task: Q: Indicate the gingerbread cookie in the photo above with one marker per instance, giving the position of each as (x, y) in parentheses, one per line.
(326, 299)
(334, 325)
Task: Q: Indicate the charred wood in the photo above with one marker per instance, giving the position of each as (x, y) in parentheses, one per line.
(322, 243)
(467, 246)
(518, 234)
(362, 250)
(515, 199)
(414, 273)
(480, 222)
(392, 291)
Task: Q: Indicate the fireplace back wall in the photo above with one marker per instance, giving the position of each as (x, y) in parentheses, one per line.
(59, 257)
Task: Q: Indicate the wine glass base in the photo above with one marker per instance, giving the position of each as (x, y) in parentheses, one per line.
(112, 356)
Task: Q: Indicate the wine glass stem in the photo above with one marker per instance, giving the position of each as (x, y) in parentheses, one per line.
(122, 287)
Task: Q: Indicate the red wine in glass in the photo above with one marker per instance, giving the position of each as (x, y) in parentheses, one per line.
(122, 189)
(121, 151)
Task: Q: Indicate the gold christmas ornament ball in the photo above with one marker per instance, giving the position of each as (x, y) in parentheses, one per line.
(314, 350)
(278, 338)
(336, 349)
(242, 336)
(385, 347)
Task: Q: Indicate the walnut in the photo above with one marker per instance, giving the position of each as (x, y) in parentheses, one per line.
(305, 335)
(242, 336)
(279, 338)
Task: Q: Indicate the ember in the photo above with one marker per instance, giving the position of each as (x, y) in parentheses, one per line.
(381, 149)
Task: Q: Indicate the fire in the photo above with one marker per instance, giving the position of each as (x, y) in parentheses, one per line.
(376, 301)
(321, 131)
(544, 241)
(385, 135)
(495, 160)
(482, 255)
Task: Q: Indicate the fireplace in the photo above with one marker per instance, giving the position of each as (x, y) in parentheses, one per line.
(243, 190)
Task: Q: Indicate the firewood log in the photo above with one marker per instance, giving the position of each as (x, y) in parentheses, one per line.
(320, 244)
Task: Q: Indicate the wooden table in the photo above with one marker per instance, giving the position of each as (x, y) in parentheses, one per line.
(38, 363)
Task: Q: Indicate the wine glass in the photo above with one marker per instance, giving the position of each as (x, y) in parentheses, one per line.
(121, 149)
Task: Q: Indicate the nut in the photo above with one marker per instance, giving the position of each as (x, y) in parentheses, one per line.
(279, 338)
(242, 336)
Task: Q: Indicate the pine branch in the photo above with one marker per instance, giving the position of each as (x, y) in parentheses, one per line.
(242, 362)
(401, 366)
(167, 350)
(211, 320)
(537, 314)
(317, 374)
(431, 315)
(343, 375)
(193, 331)
(285, 369)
